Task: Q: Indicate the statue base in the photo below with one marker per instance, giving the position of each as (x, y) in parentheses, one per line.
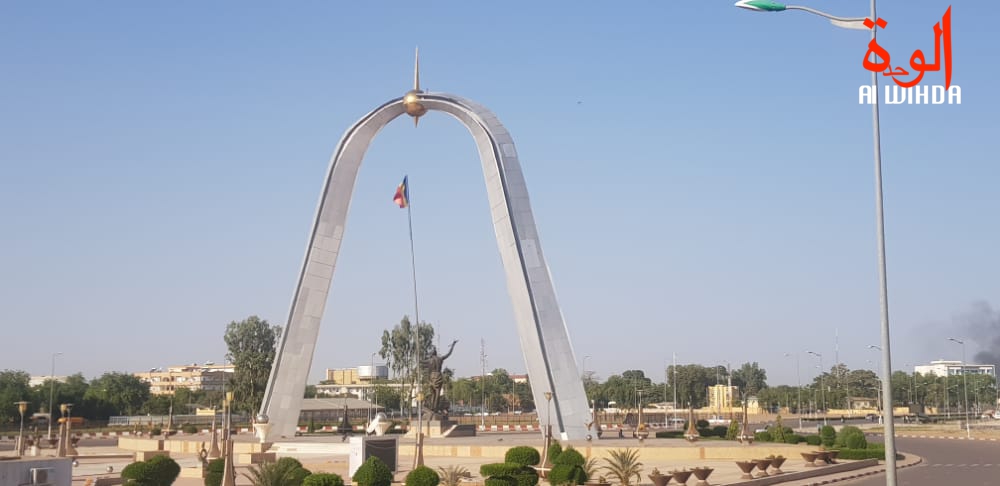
(442, 428)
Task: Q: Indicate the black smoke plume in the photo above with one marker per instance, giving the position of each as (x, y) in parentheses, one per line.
(983, 327)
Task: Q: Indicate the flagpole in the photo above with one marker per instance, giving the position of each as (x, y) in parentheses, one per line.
(419, 456)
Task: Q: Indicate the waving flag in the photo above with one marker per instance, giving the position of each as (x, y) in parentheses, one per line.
(402, 197)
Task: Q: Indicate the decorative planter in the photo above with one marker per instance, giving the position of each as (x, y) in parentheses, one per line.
(660, 479)
(823, 457)
(702, 474)
(776, 463)
(762, 465)
(810, 458)
(833, 455)
(681, 476)
(747, 468)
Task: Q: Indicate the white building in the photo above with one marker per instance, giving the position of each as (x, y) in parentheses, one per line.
(954, 368)
(40, 380)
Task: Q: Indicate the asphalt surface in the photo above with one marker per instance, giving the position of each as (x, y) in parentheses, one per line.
(86, 442)
(945, 462)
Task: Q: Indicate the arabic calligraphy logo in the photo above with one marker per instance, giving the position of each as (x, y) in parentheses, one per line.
(877, 59)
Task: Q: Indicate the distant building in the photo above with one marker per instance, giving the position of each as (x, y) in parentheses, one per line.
(40, 380)
(954, 368)
(720, 398)
(195, 377)
(357, 382)
(356, 376)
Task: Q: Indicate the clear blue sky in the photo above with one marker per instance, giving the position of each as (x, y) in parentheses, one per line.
(701, 176)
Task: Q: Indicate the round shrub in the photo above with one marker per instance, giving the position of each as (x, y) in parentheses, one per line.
(569, 457)
(213, 474)
(764, 436)
(189, 429)
(720, 430)
(155, 431)
(813, 440)
(523, 455)
(527, 477)
(157, 471)
(137, 471)
(164, 470)
(567, 474)
(373, 472)
(323, 479)
(851, 437)
(794, 439)
(827, 435)
(499, 469)
(500, 481)
(422, 476)
(555, 448)
(296, 473)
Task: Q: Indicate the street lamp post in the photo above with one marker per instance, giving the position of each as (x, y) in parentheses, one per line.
(822, 385)
(965, 389)
(52, 390)
(879, 395)
(22, 407)
(798, 381)
(858, 24)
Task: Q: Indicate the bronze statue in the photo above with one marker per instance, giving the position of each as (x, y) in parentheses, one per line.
(434, 363)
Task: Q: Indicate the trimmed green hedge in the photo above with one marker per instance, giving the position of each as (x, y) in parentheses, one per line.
(500, 481)
(373, 472)
(499, 469)
(323, 479)
(827, 435)
(813, 440)
(670, 434)
(422, 476)
(523, 455)
(872, 452)
(213, 476)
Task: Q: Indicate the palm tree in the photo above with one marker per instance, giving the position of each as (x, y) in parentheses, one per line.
(268, 474)
(452, 475)
(623, 465)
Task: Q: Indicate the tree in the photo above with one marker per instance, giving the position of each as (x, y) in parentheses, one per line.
(13, 388)
(252, 345)
(117, 394)
(750, 378)
(399, 350)
(691, 382)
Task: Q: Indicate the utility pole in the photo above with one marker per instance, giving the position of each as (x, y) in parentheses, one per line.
(482, 359)
(674, 408)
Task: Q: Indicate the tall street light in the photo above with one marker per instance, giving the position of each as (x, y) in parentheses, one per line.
(52, 390)
(965, 386)
(858, 24)
(798, 380)
(22, 407)
(822, 385)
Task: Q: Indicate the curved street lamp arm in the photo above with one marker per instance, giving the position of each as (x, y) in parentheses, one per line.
(824, 14)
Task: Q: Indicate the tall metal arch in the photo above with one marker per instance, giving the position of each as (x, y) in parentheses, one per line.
(548, 352)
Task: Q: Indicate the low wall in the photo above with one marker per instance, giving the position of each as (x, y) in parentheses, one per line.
(651, 452)
(18, 471)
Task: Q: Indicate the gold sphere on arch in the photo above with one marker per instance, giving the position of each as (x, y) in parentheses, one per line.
(411, 101)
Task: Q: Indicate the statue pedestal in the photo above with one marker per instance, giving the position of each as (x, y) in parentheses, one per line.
(432, 428)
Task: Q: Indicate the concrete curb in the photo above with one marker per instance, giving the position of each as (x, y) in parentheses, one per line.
(871, 471)
(913, 436)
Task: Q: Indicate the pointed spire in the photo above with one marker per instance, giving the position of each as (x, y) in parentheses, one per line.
(416, 70)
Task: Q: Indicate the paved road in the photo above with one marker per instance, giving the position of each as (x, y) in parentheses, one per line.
(87, 442)
(946, 462)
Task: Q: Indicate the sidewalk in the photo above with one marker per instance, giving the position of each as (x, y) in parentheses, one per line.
(725, 470)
